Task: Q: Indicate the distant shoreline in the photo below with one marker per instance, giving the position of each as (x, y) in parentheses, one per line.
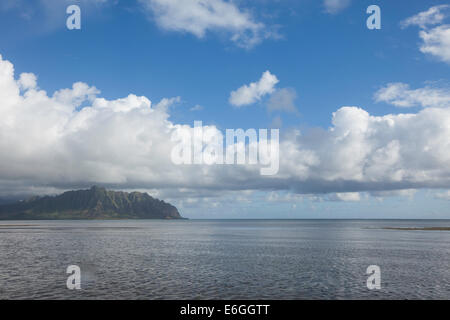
(419, 229)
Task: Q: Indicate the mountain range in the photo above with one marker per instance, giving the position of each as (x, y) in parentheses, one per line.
(94, 203)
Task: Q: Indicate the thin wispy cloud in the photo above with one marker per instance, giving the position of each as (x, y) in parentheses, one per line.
(46, 16)
(283, 100)
(401, 95)
(200, 17)
(432, 16)
(345, 197)
(197, 107)
(335, 6)
(443, 195)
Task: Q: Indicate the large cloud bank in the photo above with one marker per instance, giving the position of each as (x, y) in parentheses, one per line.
(74, 138)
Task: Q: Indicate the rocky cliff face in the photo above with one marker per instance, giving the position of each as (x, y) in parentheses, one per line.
(95, 203)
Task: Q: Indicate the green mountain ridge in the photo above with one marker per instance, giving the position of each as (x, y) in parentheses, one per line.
(94, 203)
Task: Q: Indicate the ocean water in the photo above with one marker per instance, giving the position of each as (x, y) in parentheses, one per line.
(224, 259)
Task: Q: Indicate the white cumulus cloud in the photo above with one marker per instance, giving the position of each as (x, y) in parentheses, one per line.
(253, 92)
(436, 40)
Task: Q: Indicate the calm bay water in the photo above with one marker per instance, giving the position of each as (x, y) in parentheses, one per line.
(224, 259)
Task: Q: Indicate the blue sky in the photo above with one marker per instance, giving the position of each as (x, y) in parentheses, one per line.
(325, 55)
(330, 60)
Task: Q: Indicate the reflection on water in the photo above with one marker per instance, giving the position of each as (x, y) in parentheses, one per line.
(224, 259)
